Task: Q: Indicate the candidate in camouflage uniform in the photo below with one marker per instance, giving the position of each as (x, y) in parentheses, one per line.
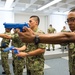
(51, 30)
(4, 55)
(64, 46)
(34, 52)
(18, 63)
(71, 55)
(35, 64)
(57, 38)
(71, 51)
(72, 58)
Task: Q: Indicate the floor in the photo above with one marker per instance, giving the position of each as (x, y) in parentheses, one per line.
(54, 66)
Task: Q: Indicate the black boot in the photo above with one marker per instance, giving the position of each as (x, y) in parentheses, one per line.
(3, 73)
(53, 49)
(48, 49)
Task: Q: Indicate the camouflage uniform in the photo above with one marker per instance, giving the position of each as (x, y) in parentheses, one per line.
(51, 30)
(18, 63)
(4, 55)
(72, 58)
(35, 64)
(64, 46)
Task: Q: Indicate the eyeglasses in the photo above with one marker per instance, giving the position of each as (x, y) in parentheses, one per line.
(72, 19)
(30, 21)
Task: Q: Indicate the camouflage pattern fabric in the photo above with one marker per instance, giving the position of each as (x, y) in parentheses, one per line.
(35, 64)
(63, 44)
(4, 55)
(18, 64)
(72, 58)
(52, 46)
(51, 30)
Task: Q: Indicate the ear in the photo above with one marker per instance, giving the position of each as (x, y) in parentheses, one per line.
(37, 22)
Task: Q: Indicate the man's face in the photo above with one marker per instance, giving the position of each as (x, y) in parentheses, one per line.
(71, 20)
(32, 23)
(7, 29)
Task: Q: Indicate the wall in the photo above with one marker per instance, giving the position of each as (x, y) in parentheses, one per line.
(58, 21)
(5, 16)
(19, 17)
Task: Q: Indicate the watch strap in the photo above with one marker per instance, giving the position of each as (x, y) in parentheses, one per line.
(36, 39)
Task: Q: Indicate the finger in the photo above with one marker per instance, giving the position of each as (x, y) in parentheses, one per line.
(20, 34)
(25, 28)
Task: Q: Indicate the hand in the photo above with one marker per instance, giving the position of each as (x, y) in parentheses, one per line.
(17, 30)
(27, 35)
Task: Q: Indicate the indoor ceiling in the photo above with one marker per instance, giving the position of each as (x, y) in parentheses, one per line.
(31, 6)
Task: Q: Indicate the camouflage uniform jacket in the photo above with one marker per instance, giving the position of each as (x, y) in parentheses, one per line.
(16, 42)
(5, 42)
(35, 62)
(71, 55)
(63, 44)
(51, 30)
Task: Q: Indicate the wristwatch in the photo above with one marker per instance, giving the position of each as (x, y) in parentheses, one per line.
(36, 39)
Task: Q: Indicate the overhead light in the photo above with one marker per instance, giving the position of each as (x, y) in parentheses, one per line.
(3, 9)
(8, 3)
(49, 4)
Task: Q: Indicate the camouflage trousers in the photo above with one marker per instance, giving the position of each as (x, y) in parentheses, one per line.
(4, 61)
(52, 46)
(72, 67)
(18, 66)
(33, 72)
(72, 73)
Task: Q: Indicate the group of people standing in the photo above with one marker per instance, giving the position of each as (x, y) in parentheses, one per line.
(58, 38)
(64, 46)
(35, 43)
(33, 56)
(18, 64)
(51, 30)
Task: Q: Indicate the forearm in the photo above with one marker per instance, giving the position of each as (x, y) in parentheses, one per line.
(56, 38)
(31, 53)
(22, 48)
(5, 36)
(36, 52)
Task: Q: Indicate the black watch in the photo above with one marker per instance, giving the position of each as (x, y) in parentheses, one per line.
(36, 40)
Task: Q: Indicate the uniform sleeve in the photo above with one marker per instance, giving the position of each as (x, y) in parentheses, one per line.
(41, 45)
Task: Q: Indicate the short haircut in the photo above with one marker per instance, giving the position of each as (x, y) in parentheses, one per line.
(50, 25)
(36, 18)
(72, 10)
